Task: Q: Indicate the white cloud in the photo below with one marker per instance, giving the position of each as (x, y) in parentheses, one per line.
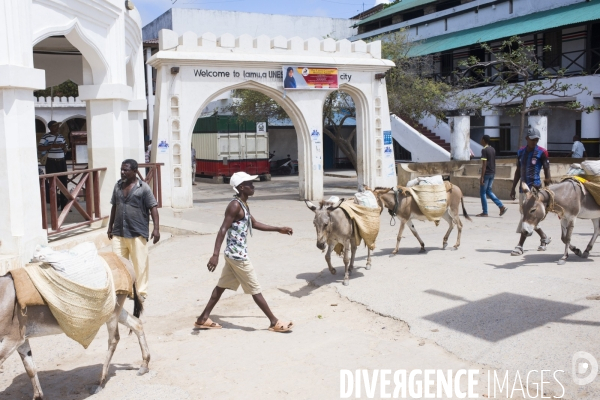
(377, 2)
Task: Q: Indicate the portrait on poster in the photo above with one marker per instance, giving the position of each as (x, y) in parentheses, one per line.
(298, 77)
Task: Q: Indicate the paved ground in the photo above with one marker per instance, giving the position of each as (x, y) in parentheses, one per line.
(476, 308)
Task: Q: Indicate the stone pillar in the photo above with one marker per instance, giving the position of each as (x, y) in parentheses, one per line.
(460, 138)
(20, 214)
(310, 143)
(135, 143)
(539, 122)
(108, 125)
(492, 118)
(150, 93)
(590, 128)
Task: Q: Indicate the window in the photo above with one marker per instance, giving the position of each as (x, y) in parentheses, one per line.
(552, 58)
(510, 6)
(414, 14)
(594, 45)
(478, 53)
(447, 63)
(504, 138)
(445, 24)
(578, 127)
(445, 5)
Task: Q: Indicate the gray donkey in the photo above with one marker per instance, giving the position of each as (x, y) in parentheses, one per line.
(334, 227)
(17, 327)
(570, 201)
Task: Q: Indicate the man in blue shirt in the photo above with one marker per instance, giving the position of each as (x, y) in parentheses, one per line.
(530, 161)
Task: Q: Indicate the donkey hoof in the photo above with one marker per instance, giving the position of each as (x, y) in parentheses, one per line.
(562, 262)
(346, 282)
(333, 271)
(444, 246)
(95, 389)
(584, 255)
(143, 371)
(422, 250)
(368, 267)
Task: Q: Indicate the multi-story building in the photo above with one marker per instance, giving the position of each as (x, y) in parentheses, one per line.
(451, 30)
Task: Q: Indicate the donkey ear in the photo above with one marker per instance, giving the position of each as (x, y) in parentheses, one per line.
(336, 205)
(524, 187)
(310, 205)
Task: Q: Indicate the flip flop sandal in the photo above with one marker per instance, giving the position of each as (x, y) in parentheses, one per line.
(208, 324)
(518, 251)
(282, 327)
(544, 243)
(503, 211)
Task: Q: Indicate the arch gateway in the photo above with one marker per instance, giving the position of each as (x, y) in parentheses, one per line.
(192, 71)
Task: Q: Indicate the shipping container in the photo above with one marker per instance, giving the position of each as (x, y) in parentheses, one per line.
(225, 145)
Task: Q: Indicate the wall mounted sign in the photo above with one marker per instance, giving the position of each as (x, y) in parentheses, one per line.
(298, 77)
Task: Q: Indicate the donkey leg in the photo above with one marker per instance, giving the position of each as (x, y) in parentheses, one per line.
(24, 351)
(400, 230)
(328, 259)
(450, 222)
(353, 247)
(346, 263)
(567, 226)
(590, 245)
(113, 339)
(412, 228)
(136, 326)
(459, 226)
(368, 267)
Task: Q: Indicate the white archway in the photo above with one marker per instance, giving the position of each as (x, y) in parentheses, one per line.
(256, 63)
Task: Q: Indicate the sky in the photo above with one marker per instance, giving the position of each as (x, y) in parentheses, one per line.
(150, 9)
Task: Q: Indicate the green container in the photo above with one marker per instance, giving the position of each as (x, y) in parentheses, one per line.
(223, 124)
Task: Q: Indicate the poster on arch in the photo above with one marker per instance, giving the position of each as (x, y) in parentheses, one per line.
(301, 77)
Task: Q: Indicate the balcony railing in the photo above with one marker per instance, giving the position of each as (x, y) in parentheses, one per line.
(84, 185)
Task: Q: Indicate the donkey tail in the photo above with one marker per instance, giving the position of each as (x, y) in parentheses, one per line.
(138, 305)
(465, 214)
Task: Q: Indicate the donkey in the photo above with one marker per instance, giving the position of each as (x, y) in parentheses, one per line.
(570, 201)
(334, 227)
(16, 328)
(403, 206)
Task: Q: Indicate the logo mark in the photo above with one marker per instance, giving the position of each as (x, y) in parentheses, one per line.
(581, 368)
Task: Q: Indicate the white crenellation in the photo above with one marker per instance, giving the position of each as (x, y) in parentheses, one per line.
(328, 45)
(168, 40)
(227, 40)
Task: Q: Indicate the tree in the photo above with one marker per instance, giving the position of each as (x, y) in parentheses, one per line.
(518, 77)
(413, 92)
(67, 89)
(338, 108)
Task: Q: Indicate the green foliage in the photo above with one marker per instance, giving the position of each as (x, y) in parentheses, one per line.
(393, 3)
(412, 91)
(67, 89)
(517, 77)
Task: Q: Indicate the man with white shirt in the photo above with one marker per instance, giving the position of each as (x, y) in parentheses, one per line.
(578, 150)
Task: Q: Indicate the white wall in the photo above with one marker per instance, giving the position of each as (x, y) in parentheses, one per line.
(283, 142)
(236, 23)
(442, 129)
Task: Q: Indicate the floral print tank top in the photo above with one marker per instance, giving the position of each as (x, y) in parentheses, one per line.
(237, 235)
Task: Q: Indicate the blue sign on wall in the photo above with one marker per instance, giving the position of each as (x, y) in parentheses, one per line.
(387, 137)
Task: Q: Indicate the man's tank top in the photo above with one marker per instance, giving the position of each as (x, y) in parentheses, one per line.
(237, 235)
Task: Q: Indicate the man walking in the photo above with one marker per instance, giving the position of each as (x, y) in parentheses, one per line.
(193, 165)
(578, 149)
(132, 203)
(54, 145)
(488, 170)
(238, 270)
(530, 160)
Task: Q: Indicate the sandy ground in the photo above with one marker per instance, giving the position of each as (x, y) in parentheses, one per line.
(474, 308)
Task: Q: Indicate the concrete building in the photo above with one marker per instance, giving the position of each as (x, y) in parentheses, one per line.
(107, 63)
(451, 29)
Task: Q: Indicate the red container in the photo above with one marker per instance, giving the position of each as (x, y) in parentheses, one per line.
(219, 168)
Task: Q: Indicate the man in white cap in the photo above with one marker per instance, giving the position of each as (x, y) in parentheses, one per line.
(238, 270)
(530, 161)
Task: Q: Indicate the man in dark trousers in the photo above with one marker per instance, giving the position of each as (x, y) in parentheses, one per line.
(128, 228)
(488, 171)
(530, 161)
(238, 270)
(54, 145)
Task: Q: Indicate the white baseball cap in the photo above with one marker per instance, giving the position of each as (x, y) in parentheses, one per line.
(240, 177)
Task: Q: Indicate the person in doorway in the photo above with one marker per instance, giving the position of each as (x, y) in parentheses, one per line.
(289, 82)
(578, 150)
(128, 228)
(193, 165)
(54, 145)
(488, 170)
(530, 161)
(237, 225)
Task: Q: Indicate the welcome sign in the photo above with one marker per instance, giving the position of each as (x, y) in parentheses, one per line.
(298, 77)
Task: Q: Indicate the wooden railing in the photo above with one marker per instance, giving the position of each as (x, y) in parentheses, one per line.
(153, 179)
(87, 185)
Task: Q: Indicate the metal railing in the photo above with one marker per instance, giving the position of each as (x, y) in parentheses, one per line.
(87, 185)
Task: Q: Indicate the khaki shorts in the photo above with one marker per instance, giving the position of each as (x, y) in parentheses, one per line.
(236, 273)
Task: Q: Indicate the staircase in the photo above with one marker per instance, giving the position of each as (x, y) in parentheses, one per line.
(423, 130)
